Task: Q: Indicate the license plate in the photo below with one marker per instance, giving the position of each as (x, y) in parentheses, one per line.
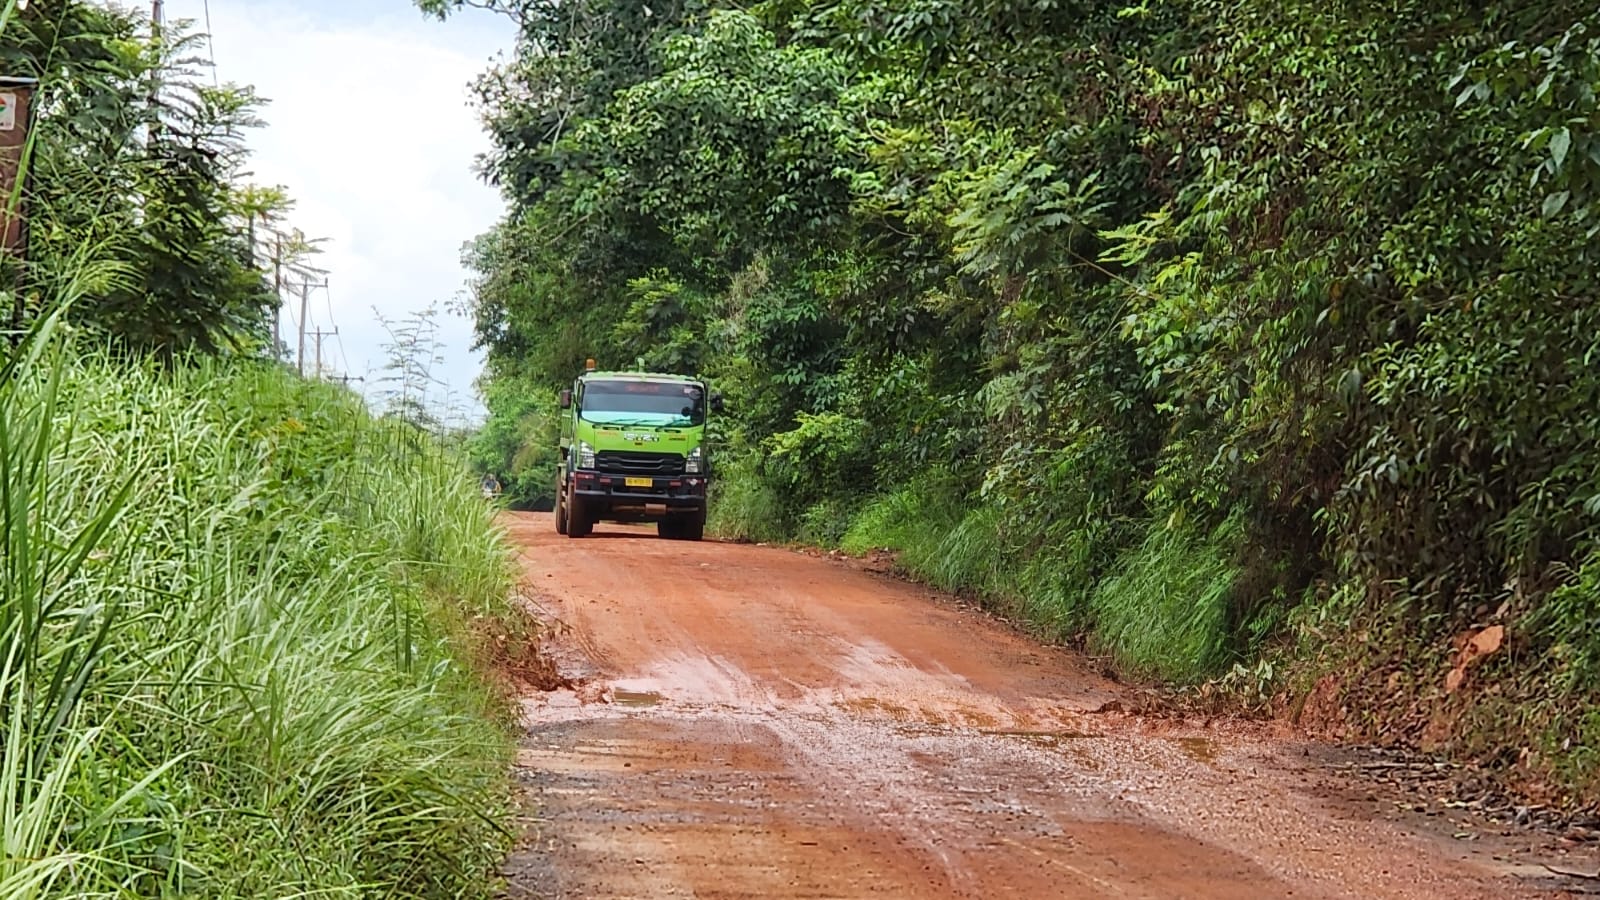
(639, 482)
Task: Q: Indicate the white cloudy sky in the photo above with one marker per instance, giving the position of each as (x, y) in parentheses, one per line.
(371, 132)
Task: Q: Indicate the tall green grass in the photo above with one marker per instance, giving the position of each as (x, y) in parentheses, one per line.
(229, 640)
(743, 506)
(939, 538)
(1165, 612)
(1160, 607)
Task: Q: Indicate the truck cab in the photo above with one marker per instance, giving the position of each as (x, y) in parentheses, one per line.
(633, 449)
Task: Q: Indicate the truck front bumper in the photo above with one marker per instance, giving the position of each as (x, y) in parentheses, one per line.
(677, 492)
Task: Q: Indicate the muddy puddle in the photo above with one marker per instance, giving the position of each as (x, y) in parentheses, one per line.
(1201, 750)
(636, 699)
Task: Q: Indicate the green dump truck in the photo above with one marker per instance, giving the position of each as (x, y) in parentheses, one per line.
(633, 449)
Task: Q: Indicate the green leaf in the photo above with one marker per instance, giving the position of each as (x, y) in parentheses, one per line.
(1556, 202)
(1560, 143)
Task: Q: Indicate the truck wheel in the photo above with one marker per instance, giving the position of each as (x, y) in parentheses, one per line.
(687, 528)
(579, 523)
(561, 511)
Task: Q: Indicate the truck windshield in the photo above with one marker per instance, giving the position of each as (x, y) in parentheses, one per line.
(643, 403)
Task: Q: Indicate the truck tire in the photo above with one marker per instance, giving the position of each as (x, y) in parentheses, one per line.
(579, 520)
(683, 528)
(561, 510)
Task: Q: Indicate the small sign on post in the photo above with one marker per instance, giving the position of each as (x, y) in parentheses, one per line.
(16, 96)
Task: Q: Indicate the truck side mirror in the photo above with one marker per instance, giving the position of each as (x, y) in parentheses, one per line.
(716, 403)
(566, 399)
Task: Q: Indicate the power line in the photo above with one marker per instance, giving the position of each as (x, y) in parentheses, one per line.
(305, 322)
(318, 335)
(328, 295)
(293, 319)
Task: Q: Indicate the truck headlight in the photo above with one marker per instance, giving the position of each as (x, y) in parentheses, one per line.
(585, 455)
(695, 464)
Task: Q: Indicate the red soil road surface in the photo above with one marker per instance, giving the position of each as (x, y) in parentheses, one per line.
(754, 722)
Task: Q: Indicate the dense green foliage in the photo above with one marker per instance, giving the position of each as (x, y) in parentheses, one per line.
(231, 605)
(133, 164)
(1181, 325)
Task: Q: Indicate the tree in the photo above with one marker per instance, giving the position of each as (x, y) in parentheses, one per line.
(135, 163)
(413, 350)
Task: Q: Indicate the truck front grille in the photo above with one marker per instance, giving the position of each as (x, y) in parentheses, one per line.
(626, 462)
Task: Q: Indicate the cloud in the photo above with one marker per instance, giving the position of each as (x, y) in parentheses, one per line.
(371, 132)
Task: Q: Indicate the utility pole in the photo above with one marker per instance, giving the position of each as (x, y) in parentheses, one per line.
(277, 296)
(305, 291)
(155, 74)
(319, 335)
(305, 296)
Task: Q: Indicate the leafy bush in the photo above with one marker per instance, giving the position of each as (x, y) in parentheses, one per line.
(822, 457)
(520, 442)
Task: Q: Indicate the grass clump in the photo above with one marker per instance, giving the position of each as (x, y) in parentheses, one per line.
(1165, 610)
(228, 640)
(744, 507)
(939, 538)
(1161, 607)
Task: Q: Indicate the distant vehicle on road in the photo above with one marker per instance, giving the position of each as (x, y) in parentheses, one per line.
(633, 449)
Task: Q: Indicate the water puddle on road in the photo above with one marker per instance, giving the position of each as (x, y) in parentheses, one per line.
(1199, 749)
(1075, 746)
(1038, 737)
(635, 698)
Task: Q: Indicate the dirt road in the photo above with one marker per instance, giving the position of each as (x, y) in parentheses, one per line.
(752, 722)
